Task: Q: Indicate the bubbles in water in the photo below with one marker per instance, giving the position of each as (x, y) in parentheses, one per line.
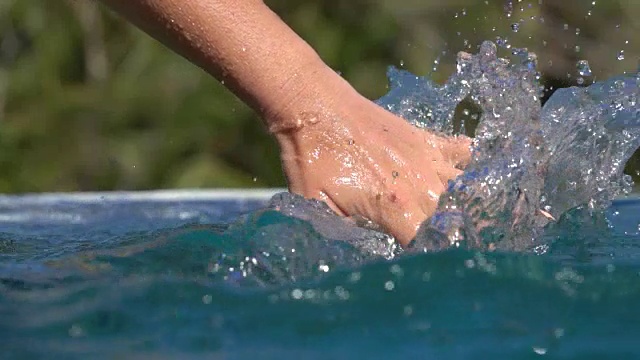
(515, 27)
(620, 55)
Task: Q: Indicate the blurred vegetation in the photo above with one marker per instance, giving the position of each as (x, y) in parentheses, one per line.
(87, 102)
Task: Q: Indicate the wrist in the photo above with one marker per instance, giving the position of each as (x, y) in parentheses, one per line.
(311, 95)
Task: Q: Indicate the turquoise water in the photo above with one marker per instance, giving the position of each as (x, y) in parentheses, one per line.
(113, 279)
(527, 254)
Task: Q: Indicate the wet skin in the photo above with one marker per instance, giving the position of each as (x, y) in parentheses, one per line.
(362, 160)
(335, 145)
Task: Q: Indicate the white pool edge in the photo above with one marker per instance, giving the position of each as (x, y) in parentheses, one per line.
(151, 195)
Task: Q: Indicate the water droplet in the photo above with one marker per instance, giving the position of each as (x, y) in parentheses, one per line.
(297, 294)
(502, 42)
(389, 285)
(621, 55)
(539, 350)
(396, 270)
(515, 27)
(323, 268)
(508, 9)
(76, 331)
(206, 299)
(355, 276)
(583, 68)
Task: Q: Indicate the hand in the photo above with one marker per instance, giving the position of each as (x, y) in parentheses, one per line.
(362, 160)
(336, 145)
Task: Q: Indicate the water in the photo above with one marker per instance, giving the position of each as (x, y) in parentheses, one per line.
(528, 254)
(153, 279)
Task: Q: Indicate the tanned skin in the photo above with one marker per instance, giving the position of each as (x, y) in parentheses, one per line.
(335, 145)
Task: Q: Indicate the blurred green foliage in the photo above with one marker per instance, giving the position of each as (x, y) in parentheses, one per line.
(87, 102)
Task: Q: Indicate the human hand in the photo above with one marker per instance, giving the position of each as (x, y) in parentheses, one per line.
(362, 160)
(336, 145)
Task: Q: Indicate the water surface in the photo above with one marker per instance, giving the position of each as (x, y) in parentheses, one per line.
(161, 279)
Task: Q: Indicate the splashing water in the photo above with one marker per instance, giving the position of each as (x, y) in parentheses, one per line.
(530, 164)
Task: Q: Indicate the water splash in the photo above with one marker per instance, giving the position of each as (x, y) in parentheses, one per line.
(530, 164)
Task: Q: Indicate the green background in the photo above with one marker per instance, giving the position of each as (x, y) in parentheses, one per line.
(87, 102)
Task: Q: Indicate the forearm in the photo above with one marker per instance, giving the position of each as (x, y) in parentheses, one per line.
(246, 46)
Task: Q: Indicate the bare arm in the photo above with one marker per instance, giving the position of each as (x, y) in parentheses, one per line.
(335, 145)
(246, 46)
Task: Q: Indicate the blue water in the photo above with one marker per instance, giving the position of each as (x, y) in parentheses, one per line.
(152, 279)
(527, 254)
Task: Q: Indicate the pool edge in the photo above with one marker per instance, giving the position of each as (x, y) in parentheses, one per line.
(148, 195)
